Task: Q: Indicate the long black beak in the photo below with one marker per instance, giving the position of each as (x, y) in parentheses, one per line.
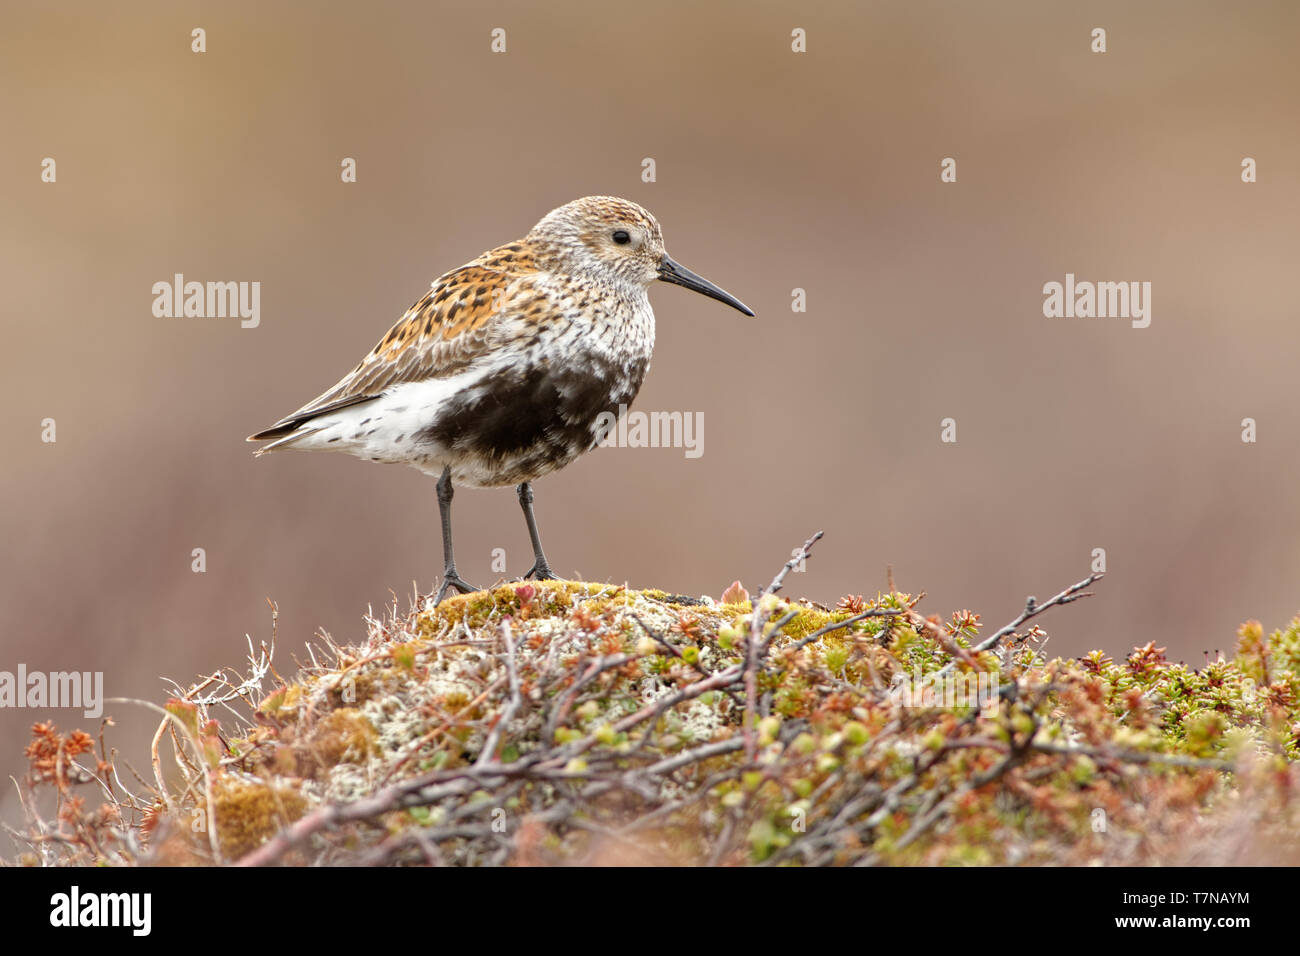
(678, 274)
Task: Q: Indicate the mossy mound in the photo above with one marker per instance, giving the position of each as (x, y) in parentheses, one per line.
(568, 722)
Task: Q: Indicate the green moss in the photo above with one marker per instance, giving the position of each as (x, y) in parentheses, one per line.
(248, 813)
(541, 598)
(809, 619)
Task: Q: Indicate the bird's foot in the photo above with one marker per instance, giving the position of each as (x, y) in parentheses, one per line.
(540, 571)
(450, 579)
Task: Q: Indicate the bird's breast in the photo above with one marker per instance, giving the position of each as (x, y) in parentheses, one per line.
(542, 403)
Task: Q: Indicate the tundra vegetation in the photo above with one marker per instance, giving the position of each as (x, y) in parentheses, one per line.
(564, 722)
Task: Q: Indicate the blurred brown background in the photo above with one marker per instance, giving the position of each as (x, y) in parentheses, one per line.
(775, 171)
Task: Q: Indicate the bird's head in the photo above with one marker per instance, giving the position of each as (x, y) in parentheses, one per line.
(617, 241)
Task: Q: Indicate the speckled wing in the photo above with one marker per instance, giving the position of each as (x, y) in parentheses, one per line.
(442, 334)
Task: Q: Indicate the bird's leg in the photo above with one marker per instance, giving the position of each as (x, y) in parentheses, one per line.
(450, 579)
(540, 570)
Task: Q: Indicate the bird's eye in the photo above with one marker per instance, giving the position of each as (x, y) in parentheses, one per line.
(622, 237)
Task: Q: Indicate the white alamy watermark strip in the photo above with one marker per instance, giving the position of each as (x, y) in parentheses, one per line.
(652, 430)
(208, 300)
(52, 690)
(1101, 300)
(77, 909)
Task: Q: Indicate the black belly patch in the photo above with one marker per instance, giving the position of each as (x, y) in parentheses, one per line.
(543, 413)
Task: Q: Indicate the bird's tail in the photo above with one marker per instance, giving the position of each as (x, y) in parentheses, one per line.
(282, 438)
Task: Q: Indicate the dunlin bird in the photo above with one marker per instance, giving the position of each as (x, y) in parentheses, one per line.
(501, 372)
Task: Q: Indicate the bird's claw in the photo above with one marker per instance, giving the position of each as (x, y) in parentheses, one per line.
(541, 571)
(450, 579)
